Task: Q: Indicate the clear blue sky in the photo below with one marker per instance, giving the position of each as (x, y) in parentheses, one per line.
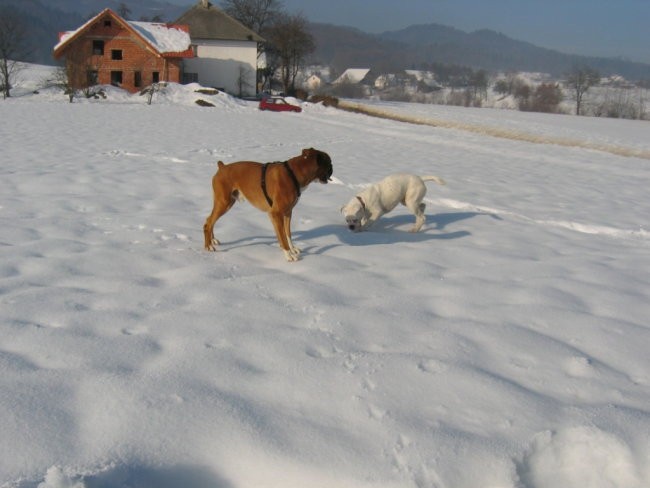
(609, 28)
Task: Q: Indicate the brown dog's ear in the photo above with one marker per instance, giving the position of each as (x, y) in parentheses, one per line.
(307, 152)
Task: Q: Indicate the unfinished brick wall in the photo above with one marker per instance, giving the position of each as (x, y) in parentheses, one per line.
(138, 67)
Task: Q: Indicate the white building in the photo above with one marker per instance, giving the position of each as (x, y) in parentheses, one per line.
(352, 75)
(313, 83)
(225, 50)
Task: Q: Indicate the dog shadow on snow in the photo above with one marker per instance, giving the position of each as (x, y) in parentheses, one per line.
(387, 230)
(394, 229)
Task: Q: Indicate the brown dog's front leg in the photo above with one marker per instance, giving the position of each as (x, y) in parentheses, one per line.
(287, 232)
(278, 225)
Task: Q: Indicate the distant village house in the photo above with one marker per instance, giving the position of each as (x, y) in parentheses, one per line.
(353, 76)
(313, 83)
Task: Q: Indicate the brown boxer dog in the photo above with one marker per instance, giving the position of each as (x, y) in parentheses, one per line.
(273, 188)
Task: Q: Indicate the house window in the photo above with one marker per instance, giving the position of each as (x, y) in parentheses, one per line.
(190, 78)
(107, 23)
(116, 54)
(98, 48)
(92, 77)
(137, 79)
(155, 77)
(116, 78)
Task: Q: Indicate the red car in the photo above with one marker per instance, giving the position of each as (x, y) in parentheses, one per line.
(278, 104)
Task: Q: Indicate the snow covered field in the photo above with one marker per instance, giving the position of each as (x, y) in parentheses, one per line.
(504, 346)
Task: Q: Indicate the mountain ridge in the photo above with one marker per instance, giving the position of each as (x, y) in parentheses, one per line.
(422, 44)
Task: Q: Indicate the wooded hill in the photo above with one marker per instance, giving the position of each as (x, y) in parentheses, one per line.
(420, 46)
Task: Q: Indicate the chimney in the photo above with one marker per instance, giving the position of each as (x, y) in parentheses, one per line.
(205, 3)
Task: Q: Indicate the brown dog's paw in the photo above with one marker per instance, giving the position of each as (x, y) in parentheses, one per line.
(291, 256)
(213, 245)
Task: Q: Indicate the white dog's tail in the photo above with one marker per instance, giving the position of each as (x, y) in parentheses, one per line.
(437, 179)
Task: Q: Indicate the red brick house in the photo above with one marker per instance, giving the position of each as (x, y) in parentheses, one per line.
(132, 55)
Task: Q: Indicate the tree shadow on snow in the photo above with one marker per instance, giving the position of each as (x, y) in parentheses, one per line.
(182, 476)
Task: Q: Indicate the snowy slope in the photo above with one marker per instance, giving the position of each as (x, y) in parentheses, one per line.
(505, 345)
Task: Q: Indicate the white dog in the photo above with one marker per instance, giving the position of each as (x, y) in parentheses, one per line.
(379, 198)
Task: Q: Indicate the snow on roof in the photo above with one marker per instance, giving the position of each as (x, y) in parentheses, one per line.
(165, 38)
(64, 36)
(352, 75)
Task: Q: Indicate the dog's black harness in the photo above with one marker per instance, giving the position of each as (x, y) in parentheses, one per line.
(291, 174)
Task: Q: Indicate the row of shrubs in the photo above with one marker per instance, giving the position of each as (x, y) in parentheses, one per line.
(545, 97)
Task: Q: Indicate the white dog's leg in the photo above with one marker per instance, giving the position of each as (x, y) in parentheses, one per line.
(420, 218)
(413, 201)
(369, 221)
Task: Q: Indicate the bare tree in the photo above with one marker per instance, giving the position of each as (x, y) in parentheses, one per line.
(62, 81)
(13, 47)
(243, 80)
(257, 15)
(477, 86)
(124, 11)
(502, 87)
(522, 92)
(291, 43)
(619, 102)
(151, 90)
(156, 18)
(265, 74)
(580, 80)
(544, 98)
(71, 77)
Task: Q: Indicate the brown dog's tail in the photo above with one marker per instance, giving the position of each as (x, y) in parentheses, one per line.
(437, 179)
